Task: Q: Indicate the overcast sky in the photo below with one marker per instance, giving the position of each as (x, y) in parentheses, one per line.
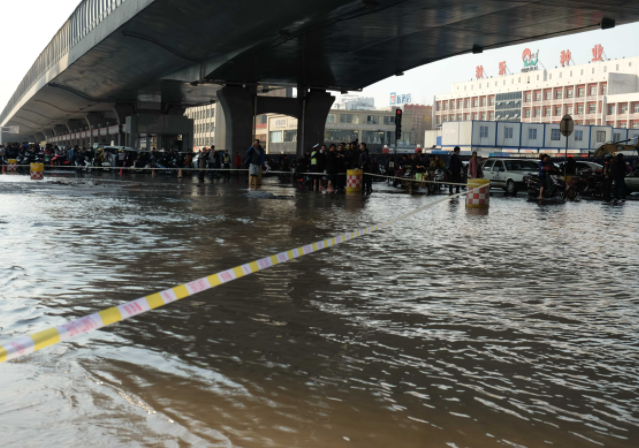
(29, 25)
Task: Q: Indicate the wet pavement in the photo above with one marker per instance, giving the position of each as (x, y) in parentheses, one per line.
(516, 327)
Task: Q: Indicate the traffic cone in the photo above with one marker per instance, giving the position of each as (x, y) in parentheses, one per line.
(4, 169)
(152, 172)
(122, 169)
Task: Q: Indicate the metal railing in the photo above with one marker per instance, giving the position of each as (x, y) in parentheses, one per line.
(83, 20)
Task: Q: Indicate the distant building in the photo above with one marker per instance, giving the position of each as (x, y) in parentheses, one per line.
(489, 137)
(421, 120)
(601, 92)
(355, 102)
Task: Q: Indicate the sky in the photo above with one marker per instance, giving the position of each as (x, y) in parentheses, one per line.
(24, 39)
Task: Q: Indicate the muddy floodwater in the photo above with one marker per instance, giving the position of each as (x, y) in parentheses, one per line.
(515, 328)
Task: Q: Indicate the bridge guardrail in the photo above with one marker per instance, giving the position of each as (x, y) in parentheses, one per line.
(84, 19)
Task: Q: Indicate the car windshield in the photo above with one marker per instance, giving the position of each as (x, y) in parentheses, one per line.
(519, 165)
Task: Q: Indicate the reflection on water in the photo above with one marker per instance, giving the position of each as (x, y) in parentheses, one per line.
(517, 327)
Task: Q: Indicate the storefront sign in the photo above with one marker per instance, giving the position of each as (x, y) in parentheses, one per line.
(283, 123)
(479, 71)
(565, 58)
(365, 127)
(597, 53)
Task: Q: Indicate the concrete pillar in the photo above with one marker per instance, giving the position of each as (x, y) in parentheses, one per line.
(73, 126)
(121, 111)
(238, 107)
(93, 119)
(314, 108)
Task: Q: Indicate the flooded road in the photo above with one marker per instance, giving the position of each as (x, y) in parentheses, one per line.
(515, 328)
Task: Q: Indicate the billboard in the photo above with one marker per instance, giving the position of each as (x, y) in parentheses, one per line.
(399, 99)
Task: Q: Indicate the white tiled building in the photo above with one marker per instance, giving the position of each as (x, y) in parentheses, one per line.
(597, 93)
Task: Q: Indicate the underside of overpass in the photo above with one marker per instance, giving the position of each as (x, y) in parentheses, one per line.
(119, 58)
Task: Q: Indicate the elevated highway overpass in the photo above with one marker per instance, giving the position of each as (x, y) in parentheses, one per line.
(124, 67)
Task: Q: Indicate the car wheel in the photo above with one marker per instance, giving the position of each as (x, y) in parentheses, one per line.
(510, 187)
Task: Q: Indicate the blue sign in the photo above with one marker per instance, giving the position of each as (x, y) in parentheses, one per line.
(402, 98)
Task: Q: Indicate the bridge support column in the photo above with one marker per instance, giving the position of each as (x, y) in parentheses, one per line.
(165, 127)
(48, 133)
(314, 108)
(74, 126)
(121, 111)
(93, 120)
(238, 105)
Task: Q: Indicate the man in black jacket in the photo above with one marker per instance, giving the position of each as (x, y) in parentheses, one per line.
(455, 167)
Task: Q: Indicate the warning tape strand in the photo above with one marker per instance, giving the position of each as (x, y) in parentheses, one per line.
(26, 345)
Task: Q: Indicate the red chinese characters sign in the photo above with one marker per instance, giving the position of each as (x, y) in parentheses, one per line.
(502, 68)
(565, 58)
(479, 71)
(597, 52)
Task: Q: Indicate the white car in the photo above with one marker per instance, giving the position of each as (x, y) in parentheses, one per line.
(632, 182)
(509, 173)
(584, 167)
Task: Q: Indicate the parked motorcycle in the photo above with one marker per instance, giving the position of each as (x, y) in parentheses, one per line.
(558, 192)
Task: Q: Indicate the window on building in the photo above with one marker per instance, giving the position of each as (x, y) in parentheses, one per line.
(560, 74)
(445, 106)
(538, 96)
(593, 91)
(548, 95)
(623, 109)
(290, 136)
(452, 105)
(601, 136)
(555, 134)
(532, 134)
(569, 93)
(389, 120)
(483, 101)
(330, 118)
(547, 112)
(623, 125)
(528, 97)
(580, 109)
(348, 118)
(550, 76)
(483, 116)
(491, 116)
(467, 117)
(527, 113)
(581, 92)
(475, 116)
(582, 71)
(635, 125)
(557, 111)
(537, 112)
(604, 89)
(275, 137)
(592, 108)
(605, 69)
(467, 103)
(372, 119)
(459, 117)
(508, 132)
(483, 131)
(579, 136)
(438, 106)
(611, 109)
(475, 102)
(558, 94)
(491, 101)
(569, 110)
(635, 108)
(616, 137)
